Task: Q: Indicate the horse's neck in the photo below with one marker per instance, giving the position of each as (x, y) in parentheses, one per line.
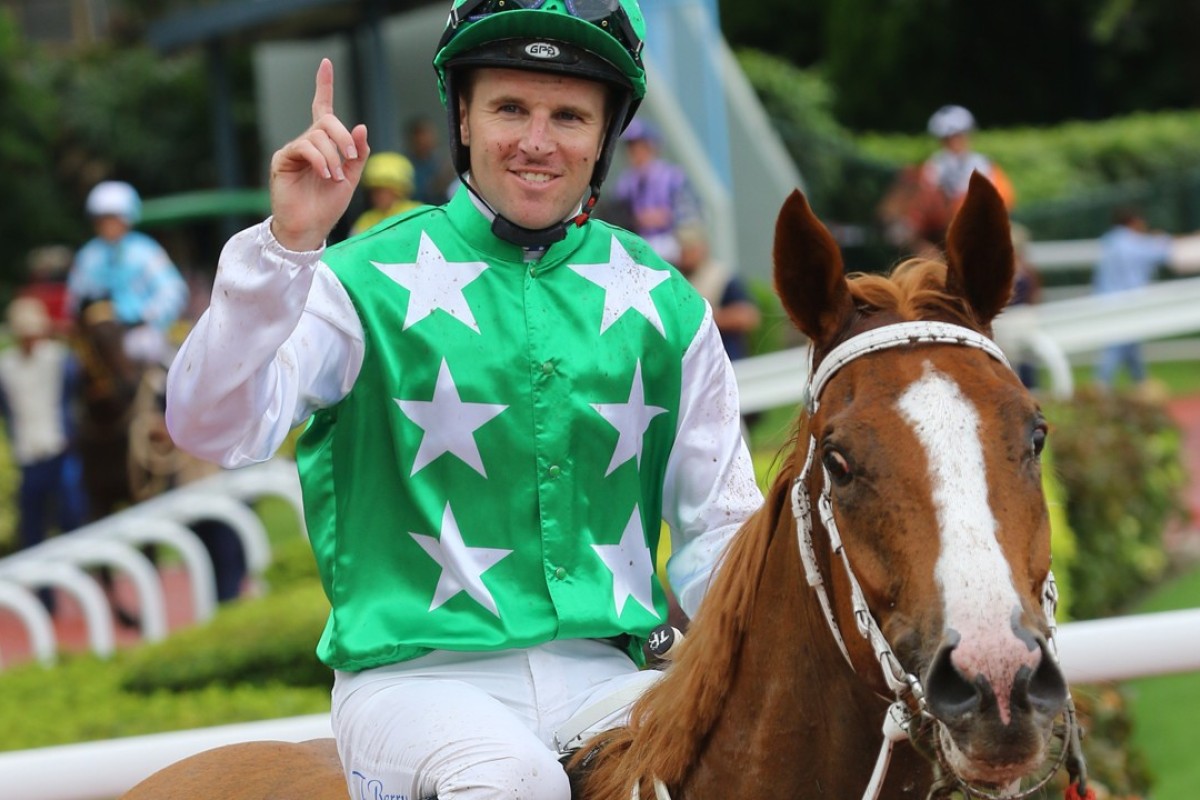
(797, 721)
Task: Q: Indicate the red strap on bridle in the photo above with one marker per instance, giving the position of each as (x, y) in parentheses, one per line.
(1073, 793)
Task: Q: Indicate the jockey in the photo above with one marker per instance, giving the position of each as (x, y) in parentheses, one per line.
(504, 399)
(924, 198)
(129, 268)
(950, 168)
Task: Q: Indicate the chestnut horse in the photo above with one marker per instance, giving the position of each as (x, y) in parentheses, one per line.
(910, 512)
(110, 385)
(914, 214)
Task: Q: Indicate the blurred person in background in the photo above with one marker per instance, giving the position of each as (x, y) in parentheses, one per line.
(949, 169)
(655, 194)
(734, 310)
(1130, 257)
(130, 269)
(433, 174)
(388, 181)
(917, 209)
(48, 269)
(38, 381)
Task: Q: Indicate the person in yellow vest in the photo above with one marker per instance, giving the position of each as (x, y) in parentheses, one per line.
(388, 179)
(504, 399)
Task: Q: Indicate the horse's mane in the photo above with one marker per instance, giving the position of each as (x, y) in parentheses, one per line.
(915, 289)
(669, 723)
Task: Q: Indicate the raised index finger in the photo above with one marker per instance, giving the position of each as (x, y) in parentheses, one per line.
(323, 97)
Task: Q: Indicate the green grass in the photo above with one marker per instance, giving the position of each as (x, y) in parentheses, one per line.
(1179, 378)
(1165, 708)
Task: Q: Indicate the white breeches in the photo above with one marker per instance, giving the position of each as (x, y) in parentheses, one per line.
(473, 726)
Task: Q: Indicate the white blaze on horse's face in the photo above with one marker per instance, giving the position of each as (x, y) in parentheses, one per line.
(979, 600)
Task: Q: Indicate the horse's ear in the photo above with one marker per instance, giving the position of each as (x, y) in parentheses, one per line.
(979, 251)
(809, 275)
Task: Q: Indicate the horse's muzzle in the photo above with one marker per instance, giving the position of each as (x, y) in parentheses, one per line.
(994, 739)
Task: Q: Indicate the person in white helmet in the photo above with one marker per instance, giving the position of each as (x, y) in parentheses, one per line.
(918, 208)
(130, 269)
(950, 168)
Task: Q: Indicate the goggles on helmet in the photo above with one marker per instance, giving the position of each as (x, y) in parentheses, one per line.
(608, 15)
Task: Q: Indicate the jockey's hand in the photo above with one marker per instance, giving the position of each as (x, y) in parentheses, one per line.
(313, 177)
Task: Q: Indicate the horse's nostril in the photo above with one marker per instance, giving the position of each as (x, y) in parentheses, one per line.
(1046, 689)
(949, 694)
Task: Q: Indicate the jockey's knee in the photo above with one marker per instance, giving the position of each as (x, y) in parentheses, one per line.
(520, 777)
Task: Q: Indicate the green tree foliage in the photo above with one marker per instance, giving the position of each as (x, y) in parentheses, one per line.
(792, 30)
(28, 115)
(131, 114)
(70, 120)
(839, 176)
(1024, 62)
(1148, 57)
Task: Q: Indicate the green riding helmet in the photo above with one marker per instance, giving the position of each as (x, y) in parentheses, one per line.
(612, 30)
(597, 40)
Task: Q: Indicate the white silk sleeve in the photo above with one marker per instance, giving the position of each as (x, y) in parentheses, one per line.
(279, 340)
(710, 488)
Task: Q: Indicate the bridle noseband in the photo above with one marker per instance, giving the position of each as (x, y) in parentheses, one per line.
(908, 708)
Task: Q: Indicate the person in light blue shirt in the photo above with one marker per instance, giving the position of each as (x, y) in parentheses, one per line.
(129, 268)
(1130, 257)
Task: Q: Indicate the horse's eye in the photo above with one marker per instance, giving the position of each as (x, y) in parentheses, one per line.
(837, 467)
(1039, 440)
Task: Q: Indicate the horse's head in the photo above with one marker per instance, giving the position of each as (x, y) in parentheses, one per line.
(928, 452)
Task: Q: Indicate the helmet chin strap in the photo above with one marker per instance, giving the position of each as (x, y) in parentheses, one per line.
(529, 238)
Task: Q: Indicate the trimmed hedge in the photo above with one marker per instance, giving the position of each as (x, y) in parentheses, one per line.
(1118, 457)
(254, 660)
(256, 642)
(82, 700)
(1068, 177)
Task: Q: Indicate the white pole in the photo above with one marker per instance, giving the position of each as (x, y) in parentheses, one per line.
(1120, 648)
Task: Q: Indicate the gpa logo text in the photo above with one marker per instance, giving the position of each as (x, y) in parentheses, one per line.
(541, 50)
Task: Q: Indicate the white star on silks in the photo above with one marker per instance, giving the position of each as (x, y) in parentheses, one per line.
(626, 285)
(448, 424)
(631, 566)
(433, 283)
(462, 566)
(631, 420)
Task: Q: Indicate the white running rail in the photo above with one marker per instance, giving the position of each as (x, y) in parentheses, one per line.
(1051, 333)
(1099, 650)
(62, 561)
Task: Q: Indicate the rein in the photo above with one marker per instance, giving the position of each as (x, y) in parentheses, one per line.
(908, 707)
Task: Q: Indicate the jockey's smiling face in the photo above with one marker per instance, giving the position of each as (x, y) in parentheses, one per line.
(534, 139)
